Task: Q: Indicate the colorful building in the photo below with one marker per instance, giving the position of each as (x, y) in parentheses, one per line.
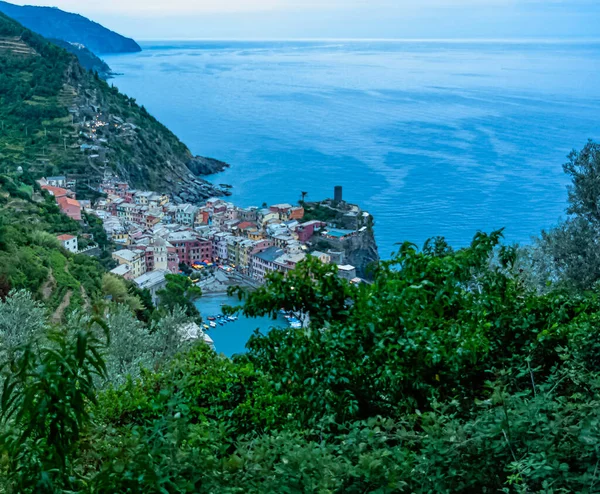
(70, 207)
(69, 242)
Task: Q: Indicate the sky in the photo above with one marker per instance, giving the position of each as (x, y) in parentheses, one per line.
(291, 19)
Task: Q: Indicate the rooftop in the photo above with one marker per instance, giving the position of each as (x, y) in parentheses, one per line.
(151, 279)
(127, 254)
(65, 237)
(270, 254)
(121, 270)
(55, 191)
(69, 202)
(181, 236)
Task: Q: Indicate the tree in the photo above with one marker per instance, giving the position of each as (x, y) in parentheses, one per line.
(303, 195)
(45, 407)
(567, 256)
(180, 291)
(583, 168)
(22, 319)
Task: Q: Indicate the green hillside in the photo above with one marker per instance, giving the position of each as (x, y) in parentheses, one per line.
(57, 118)
(86, 58)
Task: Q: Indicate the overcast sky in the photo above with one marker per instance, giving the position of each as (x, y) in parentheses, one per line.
(265, 19)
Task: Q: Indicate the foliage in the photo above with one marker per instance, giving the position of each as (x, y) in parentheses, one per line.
(45, 408)
(567, 256)
(180, 291)
(21, 320)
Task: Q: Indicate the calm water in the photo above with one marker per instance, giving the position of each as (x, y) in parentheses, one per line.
(433, 138)
(231, 338)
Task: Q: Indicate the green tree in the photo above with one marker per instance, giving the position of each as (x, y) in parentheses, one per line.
(48, 390)
(180, 291)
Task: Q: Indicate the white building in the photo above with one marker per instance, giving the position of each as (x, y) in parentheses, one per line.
(153, 282)
(69, 242)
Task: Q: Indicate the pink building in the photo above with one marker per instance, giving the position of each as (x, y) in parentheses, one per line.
(308, 229)
(190, 247)
(70, 207)
(172, 260)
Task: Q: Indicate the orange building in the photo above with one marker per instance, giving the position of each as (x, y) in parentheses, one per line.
(70, 207)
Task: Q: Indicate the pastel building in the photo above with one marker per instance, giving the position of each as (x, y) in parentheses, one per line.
(69, 242)
(189, 247)
(186, 214)
(135, 259)
(265, 262)
(306, 230)
(70, 207)
(154, 282)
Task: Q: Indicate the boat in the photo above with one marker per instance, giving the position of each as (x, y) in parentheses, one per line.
(221, 323)
(205, 326)
(211, 318)
(213, 324)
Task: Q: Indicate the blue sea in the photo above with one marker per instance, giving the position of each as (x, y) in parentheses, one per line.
(433, 138)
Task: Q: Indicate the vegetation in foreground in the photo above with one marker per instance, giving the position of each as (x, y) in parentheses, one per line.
(475, 370)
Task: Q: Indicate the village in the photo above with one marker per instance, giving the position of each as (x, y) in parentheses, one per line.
(217, 244)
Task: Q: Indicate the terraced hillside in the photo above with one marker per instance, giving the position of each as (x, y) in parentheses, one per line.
(56, 118)
(14, 45)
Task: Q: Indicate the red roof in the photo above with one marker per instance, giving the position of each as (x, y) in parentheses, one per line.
(55, 191)
(69, 202)
(65, 237)
(70, 207)
(246, 224)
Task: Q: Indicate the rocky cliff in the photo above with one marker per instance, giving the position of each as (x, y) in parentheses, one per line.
(358, 248)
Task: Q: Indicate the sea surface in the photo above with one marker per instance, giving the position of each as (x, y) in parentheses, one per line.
(433, 138)
(231, 338)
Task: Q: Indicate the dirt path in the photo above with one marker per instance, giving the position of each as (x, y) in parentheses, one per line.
(58, 314)
(48, 286)
(86, 300)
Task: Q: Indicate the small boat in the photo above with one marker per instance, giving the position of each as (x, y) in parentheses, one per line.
(211, 318)
(205, 326)
(221, 323)
(213, 324)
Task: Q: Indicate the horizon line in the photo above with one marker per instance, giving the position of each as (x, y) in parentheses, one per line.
(567, 39)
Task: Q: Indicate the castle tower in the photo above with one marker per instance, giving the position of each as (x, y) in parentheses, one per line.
(337, 193)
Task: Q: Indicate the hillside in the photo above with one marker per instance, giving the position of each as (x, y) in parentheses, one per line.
(58, 118)
(51, 22)
(86, 58)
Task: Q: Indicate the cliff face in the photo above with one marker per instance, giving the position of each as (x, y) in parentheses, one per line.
(51, 22)
(69, 121)
(361, 251)
(358, 249)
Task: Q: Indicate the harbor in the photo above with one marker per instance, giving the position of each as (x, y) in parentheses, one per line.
(230, 334)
